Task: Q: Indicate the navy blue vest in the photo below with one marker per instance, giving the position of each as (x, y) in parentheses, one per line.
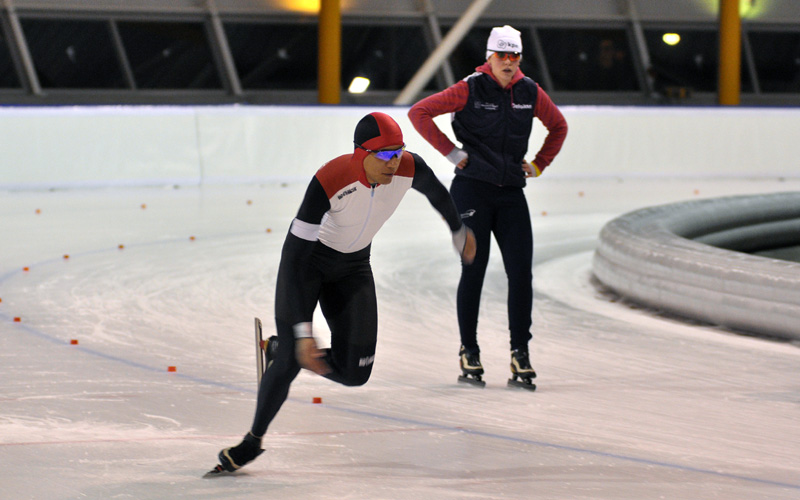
(494, 128)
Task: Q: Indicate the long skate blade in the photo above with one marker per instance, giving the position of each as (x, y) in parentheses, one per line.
(463, 379)
(522, 384)
(260, 366)
(217, 471)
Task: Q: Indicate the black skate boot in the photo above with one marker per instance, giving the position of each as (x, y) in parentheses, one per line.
(521, 368)
(471, 368)
(270, 347)
(236, 457)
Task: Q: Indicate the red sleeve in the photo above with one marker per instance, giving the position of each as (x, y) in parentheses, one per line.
(422, 113)
(335, 174)
(551, 117)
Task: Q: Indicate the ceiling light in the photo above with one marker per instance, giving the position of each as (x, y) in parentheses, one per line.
(359, 85)
(671, 38)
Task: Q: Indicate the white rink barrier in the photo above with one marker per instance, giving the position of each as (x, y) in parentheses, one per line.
(662, 257)
(58, 147)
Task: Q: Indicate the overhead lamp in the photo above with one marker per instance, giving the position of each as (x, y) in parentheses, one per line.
(305, 6)
(359, 85)
(671, 38)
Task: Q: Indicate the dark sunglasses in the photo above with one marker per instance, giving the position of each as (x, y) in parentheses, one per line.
(511, 56)
(385, 155)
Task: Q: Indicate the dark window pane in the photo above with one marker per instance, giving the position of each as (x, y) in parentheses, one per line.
(471, 53)
(73, 54)
(8, 74)
(169, 55)
(691, 63)
(274, 56)
(388, 55)
(589, 59)
(777, 58)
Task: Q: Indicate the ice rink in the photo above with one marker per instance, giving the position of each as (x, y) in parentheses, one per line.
(103, 290)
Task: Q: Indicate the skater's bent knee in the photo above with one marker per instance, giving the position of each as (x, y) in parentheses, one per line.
(356, 379)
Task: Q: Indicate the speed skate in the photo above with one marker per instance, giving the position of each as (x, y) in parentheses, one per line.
(471, 368)
(522, 373)
(475, 380)
(262, 362)
(523, 383)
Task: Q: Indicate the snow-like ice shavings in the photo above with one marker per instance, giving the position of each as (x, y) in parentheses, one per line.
(27, 430)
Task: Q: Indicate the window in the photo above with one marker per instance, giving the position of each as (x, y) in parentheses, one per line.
(274, 56)
(73, 53)
(169, 55)
(8, 74)
(777, 60)
(589, 59)
(691, 63)
(387, 55)
(471, 53)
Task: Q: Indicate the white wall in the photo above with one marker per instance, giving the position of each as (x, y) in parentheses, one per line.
(142, 145)
(57, 147)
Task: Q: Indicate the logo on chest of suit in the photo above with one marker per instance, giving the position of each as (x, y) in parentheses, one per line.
(522, 106)
(345, 193)
(488, 106)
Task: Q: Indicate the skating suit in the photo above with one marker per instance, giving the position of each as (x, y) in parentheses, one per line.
(325, 260)
(494, 125)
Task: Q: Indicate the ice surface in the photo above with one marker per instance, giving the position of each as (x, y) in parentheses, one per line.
(630, 405)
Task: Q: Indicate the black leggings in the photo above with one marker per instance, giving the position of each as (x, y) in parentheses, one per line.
(343, 286)
(486, 209)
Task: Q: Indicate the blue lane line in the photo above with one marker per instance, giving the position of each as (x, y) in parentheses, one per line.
(545, 444)
(411, 421)
(117, 359)
(406, 421)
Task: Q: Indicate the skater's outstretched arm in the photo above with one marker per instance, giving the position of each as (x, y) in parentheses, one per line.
(426, 182)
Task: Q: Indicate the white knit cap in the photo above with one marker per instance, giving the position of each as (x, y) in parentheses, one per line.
(505, 39)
